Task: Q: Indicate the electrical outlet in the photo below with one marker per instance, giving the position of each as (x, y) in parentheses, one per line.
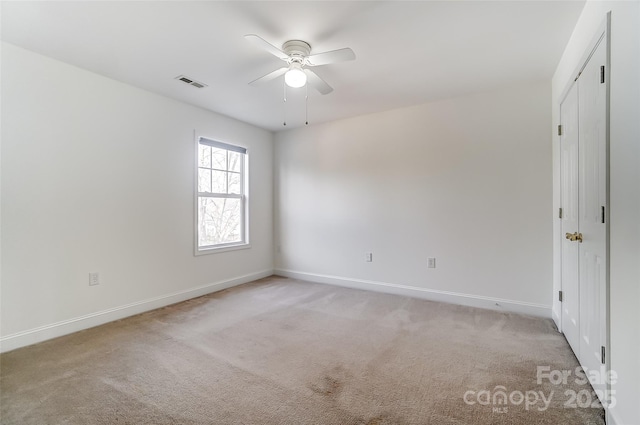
(94, 279)
(431, 263)
(368, 257)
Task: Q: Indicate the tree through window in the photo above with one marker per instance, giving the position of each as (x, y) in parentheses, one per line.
(221, 195)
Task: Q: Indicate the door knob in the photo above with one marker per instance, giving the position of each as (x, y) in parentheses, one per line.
(574, 236)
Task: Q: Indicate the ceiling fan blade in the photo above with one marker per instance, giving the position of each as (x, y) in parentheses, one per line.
(265, 45)
(317, 83)
(340, 55)
(270, 76)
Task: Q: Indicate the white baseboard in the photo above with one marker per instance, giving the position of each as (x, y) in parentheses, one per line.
(427, 294)
(54, 330)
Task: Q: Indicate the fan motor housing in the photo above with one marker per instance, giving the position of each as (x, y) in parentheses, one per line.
(296, 48)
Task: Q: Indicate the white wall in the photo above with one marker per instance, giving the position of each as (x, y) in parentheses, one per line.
(465, 180)
(99, 176)
(624, 183)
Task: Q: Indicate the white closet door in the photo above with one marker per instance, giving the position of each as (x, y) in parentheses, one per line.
(592, 214)
(583, 156)
(569, 192)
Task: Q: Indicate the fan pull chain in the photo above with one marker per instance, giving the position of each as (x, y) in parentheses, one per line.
(306, 104)
(284, 103)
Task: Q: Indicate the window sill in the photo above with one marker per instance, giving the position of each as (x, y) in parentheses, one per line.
(216, 250)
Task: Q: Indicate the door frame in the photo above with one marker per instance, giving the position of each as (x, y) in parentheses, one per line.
(602, 35)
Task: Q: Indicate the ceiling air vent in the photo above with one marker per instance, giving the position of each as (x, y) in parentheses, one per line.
(191, 81)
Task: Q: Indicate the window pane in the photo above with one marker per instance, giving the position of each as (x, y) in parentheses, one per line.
(234, 183)
(204, 180)
(219, 158)
(204, 156)
(219, 221)
(235, 160)
(219, 184)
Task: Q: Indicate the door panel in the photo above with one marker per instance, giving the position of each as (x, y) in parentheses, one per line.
(592, 194)
(569, 195)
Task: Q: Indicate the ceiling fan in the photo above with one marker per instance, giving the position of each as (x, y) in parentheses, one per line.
(297, 55)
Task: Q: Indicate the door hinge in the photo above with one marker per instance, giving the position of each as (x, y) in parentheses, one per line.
(559, 212)
(560, 130)
(602, 214)
(560, 296)
(602, 74)
(602, 353)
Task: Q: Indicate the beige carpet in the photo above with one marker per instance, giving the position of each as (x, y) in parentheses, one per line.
(281, 351)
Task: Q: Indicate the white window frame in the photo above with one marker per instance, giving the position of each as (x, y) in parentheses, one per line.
(243, 197)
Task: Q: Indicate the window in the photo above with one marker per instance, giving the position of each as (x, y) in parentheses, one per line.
(221, 200)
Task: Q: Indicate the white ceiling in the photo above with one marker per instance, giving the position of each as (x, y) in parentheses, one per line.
(407, 53)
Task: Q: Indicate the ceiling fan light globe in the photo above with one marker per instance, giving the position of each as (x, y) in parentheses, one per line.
(295, 78)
